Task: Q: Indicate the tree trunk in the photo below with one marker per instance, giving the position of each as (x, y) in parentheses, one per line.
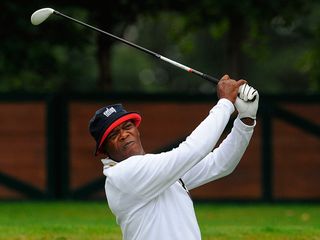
(236, 37)
(104, 63)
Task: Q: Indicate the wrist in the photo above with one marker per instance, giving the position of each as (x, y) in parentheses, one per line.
(248, 121)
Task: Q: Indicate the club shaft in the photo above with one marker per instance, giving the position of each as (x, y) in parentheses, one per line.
(179, 65)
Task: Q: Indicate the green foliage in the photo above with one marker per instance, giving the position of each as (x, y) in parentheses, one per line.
(44, 58)
(273, 44)
(309, 63)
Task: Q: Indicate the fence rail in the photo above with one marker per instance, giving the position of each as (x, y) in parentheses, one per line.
(48, 156)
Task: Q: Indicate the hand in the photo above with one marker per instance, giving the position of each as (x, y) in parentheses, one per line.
(228, 88)
(245, 108)
(246, 92)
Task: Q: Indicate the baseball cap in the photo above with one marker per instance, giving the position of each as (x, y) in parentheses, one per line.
(106, 119)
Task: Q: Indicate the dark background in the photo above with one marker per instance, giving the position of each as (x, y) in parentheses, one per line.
(273, 44)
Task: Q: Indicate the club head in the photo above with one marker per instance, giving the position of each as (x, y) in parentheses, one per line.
(41, 15)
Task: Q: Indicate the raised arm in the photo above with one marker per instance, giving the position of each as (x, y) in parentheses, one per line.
(223, 160)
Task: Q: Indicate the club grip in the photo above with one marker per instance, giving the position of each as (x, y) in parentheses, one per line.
(210, 78)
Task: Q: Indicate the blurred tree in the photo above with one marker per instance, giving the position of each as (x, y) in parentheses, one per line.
(260, 40)
(38, 58)
(113, 18)
(254, 34)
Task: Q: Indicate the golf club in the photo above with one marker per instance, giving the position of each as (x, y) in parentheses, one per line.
(42, 14)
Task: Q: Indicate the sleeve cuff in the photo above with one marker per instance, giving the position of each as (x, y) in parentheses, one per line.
(227, 104)
(243, 126)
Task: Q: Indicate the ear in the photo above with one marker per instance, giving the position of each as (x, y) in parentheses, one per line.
(104, 150)
(105, 153)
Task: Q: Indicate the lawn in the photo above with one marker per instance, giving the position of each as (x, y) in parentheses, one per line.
(94, 221)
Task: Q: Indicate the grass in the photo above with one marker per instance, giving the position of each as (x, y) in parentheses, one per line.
(94, 221)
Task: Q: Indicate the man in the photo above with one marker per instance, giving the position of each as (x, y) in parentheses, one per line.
(148, 193)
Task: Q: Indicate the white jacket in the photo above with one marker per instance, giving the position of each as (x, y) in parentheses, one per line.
(144, 191)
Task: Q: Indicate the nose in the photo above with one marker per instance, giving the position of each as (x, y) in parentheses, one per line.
(123, 134)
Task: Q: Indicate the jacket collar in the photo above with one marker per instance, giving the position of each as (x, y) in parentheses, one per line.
(107, 163)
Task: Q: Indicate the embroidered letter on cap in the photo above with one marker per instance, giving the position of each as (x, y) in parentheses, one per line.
(109, 111)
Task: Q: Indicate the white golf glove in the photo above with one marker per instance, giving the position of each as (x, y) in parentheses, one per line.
(245, 105)
(246, 92)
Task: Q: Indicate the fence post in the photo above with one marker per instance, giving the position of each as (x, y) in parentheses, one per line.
(267, 152)
(57, 147)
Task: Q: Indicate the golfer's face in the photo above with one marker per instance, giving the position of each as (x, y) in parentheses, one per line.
(123, 142)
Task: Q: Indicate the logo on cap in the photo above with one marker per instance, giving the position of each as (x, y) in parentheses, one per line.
(109, 111)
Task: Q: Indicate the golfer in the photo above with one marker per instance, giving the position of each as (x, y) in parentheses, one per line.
(148, 193)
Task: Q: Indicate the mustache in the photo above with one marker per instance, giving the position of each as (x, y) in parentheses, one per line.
(126, 144)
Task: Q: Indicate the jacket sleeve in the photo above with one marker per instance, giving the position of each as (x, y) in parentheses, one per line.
(148, 175)
(223, 160)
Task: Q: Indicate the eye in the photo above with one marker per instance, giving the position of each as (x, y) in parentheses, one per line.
(112, 135)
(128, 125)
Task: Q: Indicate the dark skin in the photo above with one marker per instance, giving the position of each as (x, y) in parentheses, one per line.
(124, 140)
